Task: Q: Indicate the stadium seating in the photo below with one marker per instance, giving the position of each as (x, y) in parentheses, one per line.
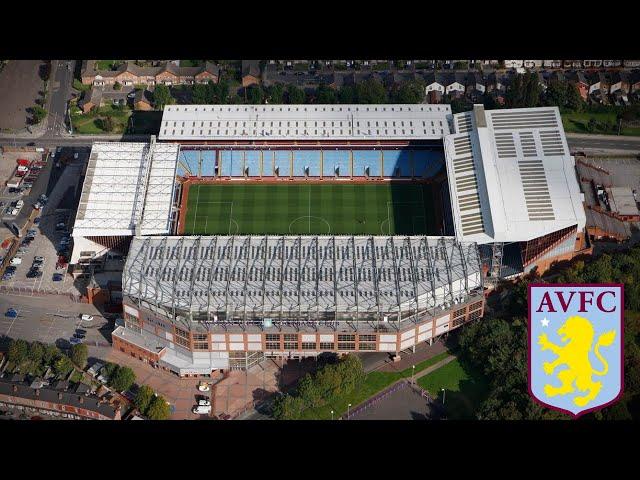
(306, 159)
(396, 163)
(333, 159)
(282, 163)
(311, 163)
(252, 163)
(363, 159)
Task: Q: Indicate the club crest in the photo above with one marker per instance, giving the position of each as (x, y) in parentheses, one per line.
(575, 345)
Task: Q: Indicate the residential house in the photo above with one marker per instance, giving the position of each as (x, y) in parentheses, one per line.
(434, 82)
(619, 82)
(455, 84)
(572, 63)
(552, 63)
(497, 86)
(475, 86)
(532, 63)
(592, 63)
(631, 63)
(612, 63)
(167, 73)
(634, 81)
(250, 72)
(142, 100)
(599, 87)
(580, 80)
(513, 63)
(90, 99)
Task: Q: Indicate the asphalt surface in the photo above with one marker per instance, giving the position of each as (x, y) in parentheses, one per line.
(61, 82)
(631, 144)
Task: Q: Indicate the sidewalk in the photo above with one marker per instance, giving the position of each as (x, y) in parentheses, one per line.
(424, 351)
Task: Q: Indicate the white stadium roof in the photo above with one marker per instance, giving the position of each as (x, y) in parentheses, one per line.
(310, 122)
(127, 185)
(511, 176)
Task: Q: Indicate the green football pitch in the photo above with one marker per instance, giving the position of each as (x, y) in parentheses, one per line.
(316, 209)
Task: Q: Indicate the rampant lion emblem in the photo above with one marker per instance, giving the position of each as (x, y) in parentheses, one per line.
(579, 332)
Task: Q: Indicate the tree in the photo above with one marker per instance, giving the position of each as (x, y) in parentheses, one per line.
(347, 94)
(122, 379)
(220, 92)
(200, 94)
(295, 95)
(36, 352)
(62, 366)
(117, 86)
(79, 355)
(556, 94)
(461, 104)
(50, 353)
(275, 93)
(574, 99)
(409, 92)
(158, 409)
(592, 124)
(106, 123)
(254, 94)
(371, 91)
(162, 96)
(287, 407)
(143, 399)
(326, 95)
(38, 113)
(18, 351)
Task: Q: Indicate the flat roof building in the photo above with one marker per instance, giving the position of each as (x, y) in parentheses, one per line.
(308, 122)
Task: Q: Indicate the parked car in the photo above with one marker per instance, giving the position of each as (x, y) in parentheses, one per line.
(75, 341)
(36, 221)
(16, 261)
(32, 232)
(204, 402)
(81, 330)
(11, 313)
(34, 273)
(86, 317)
(57, 277)
(60, 226)
(201, 410)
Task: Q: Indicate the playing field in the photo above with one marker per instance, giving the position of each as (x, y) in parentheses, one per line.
(316, 209)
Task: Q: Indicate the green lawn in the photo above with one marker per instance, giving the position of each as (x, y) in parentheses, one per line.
(310, 209)
(91, 123)
(577, 123)
(190, 63)
(107, 64)
(464, 389)
(374, 382)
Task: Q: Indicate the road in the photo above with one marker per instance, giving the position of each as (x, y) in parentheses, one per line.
(60, 84)
(603, 142)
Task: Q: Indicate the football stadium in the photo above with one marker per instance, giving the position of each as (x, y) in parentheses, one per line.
(288, 231)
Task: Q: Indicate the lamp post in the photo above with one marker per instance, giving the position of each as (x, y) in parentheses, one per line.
(348, 411)
(413, 374)
(331, 414)
(443, 396)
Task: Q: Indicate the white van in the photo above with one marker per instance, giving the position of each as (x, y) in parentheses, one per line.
(204, 402)
(201, 410)
(16, 261)
(86, 317)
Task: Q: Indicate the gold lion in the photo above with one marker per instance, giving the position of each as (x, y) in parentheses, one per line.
(575, 354)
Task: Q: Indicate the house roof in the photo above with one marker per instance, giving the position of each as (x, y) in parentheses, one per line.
(251, 67)
(93, 96)
(49, 394)
(142, 95)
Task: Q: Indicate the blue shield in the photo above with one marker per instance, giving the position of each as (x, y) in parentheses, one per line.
(575, 346)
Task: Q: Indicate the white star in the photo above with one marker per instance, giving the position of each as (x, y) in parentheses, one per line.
(545, 322)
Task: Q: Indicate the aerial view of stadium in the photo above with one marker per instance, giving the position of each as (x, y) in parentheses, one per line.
(288, 231)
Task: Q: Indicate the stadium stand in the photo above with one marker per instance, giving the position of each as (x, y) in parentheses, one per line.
(366, 159)
(306, 162)
(336, 163)
(396, 163)
(426, 163)
(252, 163)
(282, 163)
